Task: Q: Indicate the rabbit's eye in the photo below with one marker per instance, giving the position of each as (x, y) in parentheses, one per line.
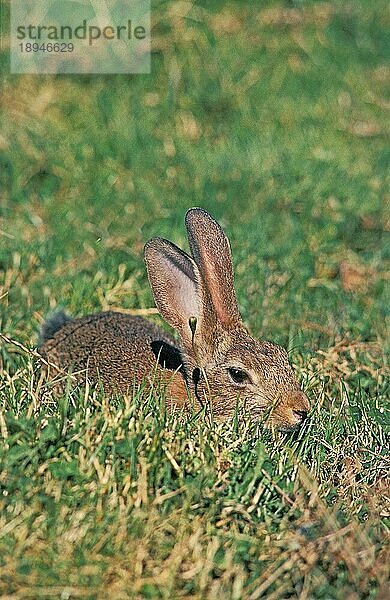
(238, 375)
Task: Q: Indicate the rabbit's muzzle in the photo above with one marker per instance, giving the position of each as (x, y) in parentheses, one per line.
(291, 412)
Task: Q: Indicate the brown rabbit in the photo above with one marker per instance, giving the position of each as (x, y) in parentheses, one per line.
(217, 360)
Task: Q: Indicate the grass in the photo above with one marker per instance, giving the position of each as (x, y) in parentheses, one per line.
(273, 118)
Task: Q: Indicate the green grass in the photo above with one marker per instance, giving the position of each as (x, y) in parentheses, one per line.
(273, 118)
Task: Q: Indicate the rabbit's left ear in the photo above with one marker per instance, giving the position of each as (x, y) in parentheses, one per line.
(211, 251)
(178, 289)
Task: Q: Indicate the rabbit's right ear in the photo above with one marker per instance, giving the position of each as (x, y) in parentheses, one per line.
(177, 288)
(211, 251)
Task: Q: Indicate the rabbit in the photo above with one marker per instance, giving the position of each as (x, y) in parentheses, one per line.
(217, 361)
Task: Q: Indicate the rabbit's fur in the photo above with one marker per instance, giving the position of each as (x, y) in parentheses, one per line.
(217, 361)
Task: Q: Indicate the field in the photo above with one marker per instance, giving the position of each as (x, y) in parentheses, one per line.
(272, 116)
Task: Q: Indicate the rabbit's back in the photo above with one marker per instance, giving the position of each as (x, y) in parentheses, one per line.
(114, 348)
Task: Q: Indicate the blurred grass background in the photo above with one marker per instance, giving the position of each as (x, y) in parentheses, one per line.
(274, 117)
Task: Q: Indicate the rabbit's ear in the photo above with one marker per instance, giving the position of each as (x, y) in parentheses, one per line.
(177, 287)
(211, 251)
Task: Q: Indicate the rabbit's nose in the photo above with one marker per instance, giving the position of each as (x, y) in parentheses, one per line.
(300, 415)
(299, 405)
